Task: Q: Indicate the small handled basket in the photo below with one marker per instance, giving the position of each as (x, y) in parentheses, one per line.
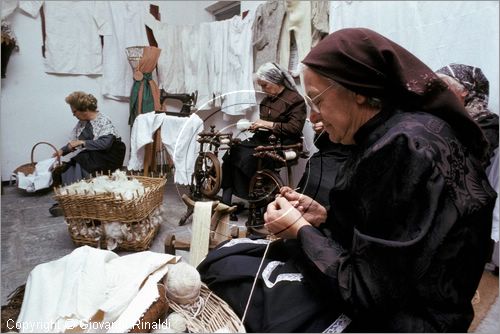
(29, 168)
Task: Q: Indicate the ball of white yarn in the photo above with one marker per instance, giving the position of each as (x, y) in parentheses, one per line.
(183, 283)
(176, 322)
(243, 124)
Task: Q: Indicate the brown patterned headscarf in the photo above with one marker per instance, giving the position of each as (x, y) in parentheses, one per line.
(474, 80)
(374, 66)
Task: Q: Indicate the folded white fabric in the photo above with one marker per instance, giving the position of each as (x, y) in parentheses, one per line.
(70, 291)
(40, 179)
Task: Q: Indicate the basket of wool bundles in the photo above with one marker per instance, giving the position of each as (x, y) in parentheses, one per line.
(113, 211)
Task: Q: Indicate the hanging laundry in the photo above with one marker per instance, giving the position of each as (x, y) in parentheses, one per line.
(266, 31)
(212, 58)
(128, 30)
(145, 95)
(7, 8)
(320, 12)
(297, 25)
(237, 82)
(171, 61)
(73, 29)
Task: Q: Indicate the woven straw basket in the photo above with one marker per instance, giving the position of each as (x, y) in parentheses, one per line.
(142, 244)
(214, 315)
(29, 168)
(95, 210)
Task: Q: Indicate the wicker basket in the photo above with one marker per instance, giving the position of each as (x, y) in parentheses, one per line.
(106, 207)
(213, 315)
(141, 244)
(29, 168)
(93, 212)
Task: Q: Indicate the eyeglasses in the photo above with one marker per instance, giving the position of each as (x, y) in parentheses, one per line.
(310, 102)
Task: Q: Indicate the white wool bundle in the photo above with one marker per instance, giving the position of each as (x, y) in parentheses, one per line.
(177, 322)
(113, 230)
(183, 283)
(243, 124)
(114, 234)
(118, 184)
(119, 175)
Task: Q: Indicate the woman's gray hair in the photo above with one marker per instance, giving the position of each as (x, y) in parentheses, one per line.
(452, 83)
(276, 74)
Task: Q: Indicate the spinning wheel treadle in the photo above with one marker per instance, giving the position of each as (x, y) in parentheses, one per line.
(208, 174)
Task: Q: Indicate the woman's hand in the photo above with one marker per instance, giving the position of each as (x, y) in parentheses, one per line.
(261, 124)
(311, 210)
(318, 127)
(72, 145)
(57, 154)
(283, 220)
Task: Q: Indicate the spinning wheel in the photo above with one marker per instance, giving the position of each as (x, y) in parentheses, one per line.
(208, 174)
(264, 186)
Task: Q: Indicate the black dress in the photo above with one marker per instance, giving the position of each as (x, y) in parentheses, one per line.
(322, 168)
(288, 112)
(402, 250)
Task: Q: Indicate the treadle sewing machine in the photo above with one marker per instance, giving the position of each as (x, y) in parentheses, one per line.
(188, 102)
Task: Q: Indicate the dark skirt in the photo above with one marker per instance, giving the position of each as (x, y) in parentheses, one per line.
(101, 160)
(282, 301)
(239, 165)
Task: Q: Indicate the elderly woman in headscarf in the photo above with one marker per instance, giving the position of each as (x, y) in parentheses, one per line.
(472, 88)
(403, 245)
(282, 114)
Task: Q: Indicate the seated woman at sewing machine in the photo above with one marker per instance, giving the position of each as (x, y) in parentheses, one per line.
(95, 141)
(282, 114)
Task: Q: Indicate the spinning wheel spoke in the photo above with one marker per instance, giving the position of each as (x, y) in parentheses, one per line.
(208, 174)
